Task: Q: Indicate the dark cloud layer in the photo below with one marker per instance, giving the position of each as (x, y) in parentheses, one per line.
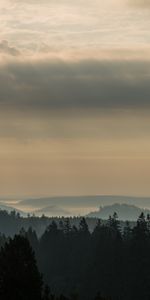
(84, 84)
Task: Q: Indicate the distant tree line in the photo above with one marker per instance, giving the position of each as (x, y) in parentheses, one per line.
(107, 263)
(12, 222)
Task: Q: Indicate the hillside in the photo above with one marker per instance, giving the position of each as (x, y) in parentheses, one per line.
(124, 211)
(77, 205)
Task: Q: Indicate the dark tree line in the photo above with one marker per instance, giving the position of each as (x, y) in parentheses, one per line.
(108, 260)
(108, 263)
(20, 278)
(11, 223)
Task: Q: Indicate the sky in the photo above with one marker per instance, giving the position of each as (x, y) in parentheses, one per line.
(74, 97)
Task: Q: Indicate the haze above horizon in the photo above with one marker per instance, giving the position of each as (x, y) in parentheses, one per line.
(75, 97)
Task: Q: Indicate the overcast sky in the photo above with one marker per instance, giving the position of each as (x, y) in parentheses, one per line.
(74, 97)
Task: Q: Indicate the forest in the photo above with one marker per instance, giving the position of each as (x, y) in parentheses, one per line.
(110, 262)
(12, 222)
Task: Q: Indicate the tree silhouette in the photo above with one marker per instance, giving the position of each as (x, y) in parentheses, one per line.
(83, 227)
(77, 262)
(19, 275)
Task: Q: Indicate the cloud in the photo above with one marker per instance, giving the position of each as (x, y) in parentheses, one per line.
(6, 49)
(140, 3)
(73, 25)
(80, 85)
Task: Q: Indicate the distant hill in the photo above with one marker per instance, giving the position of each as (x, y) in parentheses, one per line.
(124, 211)
(77, 205)
(10, 209)
(52, 211)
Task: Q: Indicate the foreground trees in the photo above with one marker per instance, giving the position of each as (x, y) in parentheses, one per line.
(19, 275)
(110, 263)
(112, 260)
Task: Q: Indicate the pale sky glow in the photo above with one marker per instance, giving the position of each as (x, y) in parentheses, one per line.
(59, 26)
(74, 97)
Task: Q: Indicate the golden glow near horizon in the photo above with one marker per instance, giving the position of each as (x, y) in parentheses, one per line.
(84, 155)
(74, 97)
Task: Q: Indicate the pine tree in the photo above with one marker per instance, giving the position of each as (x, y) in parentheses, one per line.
(67, 226)
(127, 232)
(83, 226)
(19, 275)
